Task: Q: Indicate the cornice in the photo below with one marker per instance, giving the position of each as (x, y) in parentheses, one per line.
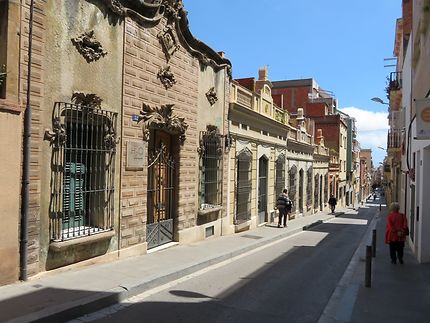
(237, 112)
(150, 14)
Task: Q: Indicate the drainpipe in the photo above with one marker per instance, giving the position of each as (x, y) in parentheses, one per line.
(26, 160)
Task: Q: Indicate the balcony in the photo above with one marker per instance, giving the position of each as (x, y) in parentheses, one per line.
(395, 81)
(253, 101)
(394, 139)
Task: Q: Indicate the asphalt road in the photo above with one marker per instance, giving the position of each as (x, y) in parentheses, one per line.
(290, 281)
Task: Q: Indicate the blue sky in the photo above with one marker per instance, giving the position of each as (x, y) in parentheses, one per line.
(341, 44)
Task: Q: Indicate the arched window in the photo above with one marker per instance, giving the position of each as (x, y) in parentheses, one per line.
(211, 156)
(83, 172)
(326, 188)
(292, 190)
(309, 177)
(316, 191)
(243, 186)
(280, 175)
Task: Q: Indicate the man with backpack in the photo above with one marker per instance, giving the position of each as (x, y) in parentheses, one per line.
(284, 206)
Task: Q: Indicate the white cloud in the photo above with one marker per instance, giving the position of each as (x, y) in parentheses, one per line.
(368, 120)
(371, 130)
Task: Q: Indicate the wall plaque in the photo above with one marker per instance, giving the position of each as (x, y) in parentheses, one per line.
(135, 155)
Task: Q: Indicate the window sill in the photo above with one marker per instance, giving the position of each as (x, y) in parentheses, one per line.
(60, 245)
(209, 210)
(208, 215)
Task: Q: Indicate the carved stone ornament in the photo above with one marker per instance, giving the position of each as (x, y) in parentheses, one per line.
(57, 136)
(89, 46)
(211, 95)
(166, 77)
(110, 138)
(162, 118)
(89, 100)
(168, 42)
(146, 11)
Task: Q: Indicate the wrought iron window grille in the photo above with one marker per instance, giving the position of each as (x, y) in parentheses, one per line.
(243, 187)
(280, 175)
(211, 167)
(309, 188)
(292, 187)
(83, 141)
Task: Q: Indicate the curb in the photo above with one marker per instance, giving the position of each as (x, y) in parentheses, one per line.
(101, 300)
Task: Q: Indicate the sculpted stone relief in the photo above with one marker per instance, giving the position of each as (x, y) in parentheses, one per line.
(166, 77)
(89, 46)
(57, 136)
(150, 12)
(168, 42)
(89, 100)
(211, 95)
(162, 118)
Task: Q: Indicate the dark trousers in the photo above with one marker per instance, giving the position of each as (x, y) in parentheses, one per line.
(283, 214)
(396, 250)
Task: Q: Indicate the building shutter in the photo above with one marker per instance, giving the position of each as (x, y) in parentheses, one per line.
(74, 195)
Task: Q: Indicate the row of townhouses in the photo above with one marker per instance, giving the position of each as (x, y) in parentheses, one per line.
(121, 132)
(407, 166)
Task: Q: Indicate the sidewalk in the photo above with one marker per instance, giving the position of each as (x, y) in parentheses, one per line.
(66, 295)
(398, 293)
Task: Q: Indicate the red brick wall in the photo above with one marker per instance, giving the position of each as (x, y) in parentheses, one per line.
(293, 97)
(315, 109)
(248, 83)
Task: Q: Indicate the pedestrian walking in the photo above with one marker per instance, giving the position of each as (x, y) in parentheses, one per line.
(332, 201)
(284, 206)
(396, 232)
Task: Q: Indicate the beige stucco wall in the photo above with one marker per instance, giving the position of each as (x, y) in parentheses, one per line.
(65, 72)
(10, 161)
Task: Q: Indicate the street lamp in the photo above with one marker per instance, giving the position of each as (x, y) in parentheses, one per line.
(379, 100)
(381, 148)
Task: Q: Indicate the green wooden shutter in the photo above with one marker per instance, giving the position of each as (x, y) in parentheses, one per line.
(74, 195)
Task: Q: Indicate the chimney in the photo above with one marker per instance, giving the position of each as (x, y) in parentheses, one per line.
(263, 74)
(319, 140)
(300, 114)
(222, 54)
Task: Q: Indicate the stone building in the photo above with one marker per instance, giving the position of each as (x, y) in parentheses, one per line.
(407, 166)
(271, 150)
(321, 107)
(128, 131)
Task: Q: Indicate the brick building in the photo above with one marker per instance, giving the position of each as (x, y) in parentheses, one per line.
(320, 106)
(128, 132)
(271, 150)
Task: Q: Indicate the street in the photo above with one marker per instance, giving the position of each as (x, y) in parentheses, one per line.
(292, 280)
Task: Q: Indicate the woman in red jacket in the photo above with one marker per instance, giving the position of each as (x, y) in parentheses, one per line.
(396, 232)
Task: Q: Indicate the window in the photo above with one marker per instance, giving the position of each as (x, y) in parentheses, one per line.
(280, 175)
(316, 190)
(243, 186)
(309, 188)
(326, 187)
(211, 167)
(292, 188)
(83, 168)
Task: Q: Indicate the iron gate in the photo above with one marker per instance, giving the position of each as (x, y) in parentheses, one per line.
(159, 229)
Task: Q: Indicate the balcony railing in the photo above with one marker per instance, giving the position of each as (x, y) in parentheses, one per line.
(252, 101)
(394, 139)
(395, 82)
